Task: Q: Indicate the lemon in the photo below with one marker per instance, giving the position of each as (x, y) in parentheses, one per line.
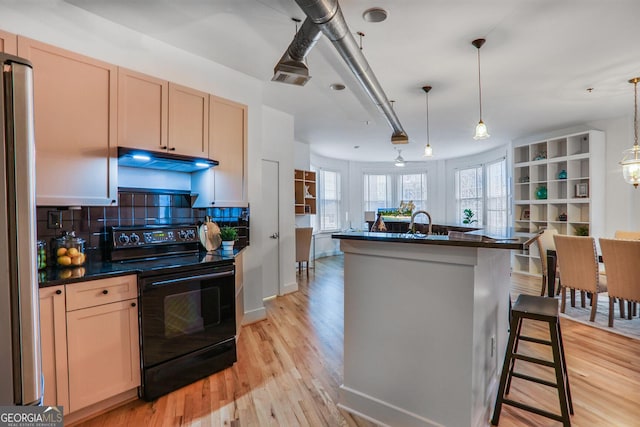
(72, 252)
(77, 260)
(61, 251)
(64, 260)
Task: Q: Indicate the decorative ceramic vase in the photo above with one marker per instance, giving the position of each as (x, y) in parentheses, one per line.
(541, 192)
(227, 245)
(562, 174)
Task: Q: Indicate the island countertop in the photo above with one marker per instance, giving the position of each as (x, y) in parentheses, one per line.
(498, 239)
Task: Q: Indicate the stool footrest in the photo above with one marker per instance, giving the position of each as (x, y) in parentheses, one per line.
(534, 379)
(534, 340)
(533, 360)
(532, 409)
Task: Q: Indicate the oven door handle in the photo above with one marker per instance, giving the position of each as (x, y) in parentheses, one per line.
(199, 277)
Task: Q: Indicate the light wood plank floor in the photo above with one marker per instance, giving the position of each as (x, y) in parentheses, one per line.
(290, 367)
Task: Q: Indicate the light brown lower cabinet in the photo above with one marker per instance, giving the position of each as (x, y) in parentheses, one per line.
(101, 346)
(53, 337)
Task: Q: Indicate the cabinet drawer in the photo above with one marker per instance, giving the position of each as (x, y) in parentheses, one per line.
(103, 291)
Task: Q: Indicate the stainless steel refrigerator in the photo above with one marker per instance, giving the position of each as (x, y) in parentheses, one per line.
(20, 358)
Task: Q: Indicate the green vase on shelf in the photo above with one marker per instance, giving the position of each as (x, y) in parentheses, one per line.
(541, 192)
(562, 174)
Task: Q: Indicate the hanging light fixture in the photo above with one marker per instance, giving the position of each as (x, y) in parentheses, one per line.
(481, 128)
(631, 161)
(399, 161)
(428, 151)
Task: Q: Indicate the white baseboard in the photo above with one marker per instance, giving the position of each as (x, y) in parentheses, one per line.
(254, 315)
(378, 411)
(289, 287)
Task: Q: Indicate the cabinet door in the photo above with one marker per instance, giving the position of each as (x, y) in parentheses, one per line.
(75, 126)
(188, 121)
(53, 337)
(143, 103)
(104, 355)
(227, 144)
(8, 43)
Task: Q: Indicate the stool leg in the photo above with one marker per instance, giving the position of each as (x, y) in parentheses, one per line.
(560, 374)
(307, 269)
(505, 370)
(512, 365)
(564, 367)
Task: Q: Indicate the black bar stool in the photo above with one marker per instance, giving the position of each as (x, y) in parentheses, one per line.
(545, 310)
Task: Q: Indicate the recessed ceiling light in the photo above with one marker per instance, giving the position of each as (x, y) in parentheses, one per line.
(375, 14)
(356, 146)
(337, 86)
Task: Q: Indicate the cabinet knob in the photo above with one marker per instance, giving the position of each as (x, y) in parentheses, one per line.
(58, 292)
(163, 147)
(113, 201)
(172, 149)
(133, 304)
(105, 291)
(213, 203)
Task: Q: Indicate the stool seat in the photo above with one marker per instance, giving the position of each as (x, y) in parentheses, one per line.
(542, 309)
(541, 306)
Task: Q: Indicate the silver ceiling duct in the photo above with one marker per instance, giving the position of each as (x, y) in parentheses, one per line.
(292, 67)
(327, 16)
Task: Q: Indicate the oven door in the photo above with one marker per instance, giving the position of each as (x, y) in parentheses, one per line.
(185, 312)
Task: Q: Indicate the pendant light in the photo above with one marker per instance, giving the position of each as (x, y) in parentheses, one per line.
(631, 161)
(399, 161)
(481, 128)
(428, 151)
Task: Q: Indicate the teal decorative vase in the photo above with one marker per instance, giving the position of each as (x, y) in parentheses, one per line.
(562, 174)
(541, 193)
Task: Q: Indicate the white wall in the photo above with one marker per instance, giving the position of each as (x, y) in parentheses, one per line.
(61, 24)
(278, 145)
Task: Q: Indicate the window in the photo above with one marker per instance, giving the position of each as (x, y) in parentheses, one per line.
(388, 190)
(496, 194)
(329, 200)
(483, 189)
(469, 192)
(377, 192)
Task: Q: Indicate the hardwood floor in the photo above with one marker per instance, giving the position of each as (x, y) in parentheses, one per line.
(290, 367)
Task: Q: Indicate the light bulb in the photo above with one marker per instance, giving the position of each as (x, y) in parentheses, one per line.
(428, 151)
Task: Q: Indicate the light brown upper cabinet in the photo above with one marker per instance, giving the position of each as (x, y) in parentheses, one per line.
(75, 126)
(143, 110)
(227, 144)
(188, 121)
(8, 43)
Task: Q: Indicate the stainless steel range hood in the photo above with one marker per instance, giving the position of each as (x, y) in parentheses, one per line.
(133, 157)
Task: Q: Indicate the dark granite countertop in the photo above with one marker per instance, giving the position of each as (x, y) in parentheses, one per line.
(96, 267)
(498, 239)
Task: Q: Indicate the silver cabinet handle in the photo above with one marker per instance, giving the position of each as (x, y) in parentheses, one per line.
(274, 236)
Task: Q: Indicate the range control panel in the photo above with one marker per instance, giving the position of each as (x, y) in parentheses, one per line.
(135, 237)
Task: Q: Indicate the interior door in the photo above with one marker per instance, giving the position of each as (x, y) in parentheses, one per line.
(271, 246)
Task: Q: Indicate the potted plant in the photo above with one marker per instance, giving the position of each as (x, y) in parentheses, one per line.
(468, 217)
(228, 235)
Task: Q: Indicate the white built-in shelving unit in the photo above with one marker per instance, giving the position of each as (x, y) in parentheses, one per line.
(573, 202)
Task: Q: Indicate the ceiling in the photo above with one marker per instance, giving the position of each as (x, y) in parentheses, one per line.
(540, 58)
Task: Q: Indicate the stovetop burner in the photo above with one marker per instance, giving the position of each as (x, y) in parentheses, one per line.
(152, 241)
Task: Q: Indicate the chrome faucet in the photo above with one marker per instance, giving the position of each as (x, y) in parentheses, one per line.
(411, 225)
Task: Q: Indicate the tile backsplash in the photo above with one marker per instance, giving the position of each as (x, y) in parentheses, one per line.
(135, 207)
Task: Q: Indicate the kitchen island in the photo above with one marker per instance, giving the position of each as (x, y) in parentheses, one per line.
(425, 325)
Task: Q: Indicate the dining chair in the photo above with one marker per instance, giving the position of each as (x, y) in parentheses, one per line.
(545, 242)
(303, 246)
(623, 272)
(578, 261)
(627, 235)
